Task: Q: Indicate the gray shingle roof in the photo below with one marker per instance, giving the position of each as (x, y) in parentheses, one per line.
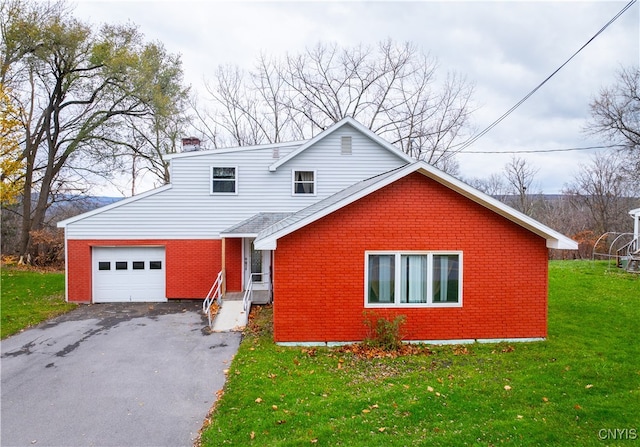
(255, 224)
(324, 204)
(266, 239)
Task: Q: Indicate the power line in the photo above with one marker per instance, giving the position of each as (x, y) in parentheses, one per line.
(540, 151)
(473, 139)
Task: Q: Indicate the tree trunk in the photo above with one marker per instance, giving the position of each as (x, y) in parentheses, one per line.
(25, 227)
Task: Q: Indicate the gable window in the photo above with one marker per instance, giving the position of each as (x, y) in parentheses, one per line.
(224, 180)
(304, 182)
(413, 279)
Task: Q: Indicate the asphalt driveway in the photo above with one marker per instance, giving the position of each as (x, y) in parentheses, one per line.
(113, 375)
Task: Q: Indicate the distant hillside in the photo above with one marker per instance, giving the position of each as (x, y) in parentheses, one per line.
(71, 206)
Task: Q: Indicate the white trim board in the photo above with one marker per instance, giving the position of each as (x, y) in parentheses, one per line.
(461, 341)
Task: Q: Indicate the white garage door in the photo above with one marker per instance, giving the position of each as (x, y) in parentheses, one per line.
(128, 274)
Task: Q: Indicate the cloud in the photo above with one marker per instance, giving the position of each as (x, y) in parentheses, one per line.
(506, 48)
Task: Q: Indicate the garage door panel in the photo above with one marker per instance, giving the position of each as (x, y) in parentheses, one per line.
(126, 274)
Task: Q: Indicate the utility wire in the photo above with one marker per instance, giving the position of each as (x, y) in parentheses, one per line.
(540, 151)
(508, 112)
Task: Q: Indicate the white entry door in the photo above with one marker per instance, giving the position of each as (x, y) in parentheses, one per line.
(125, 274)
(258, 264)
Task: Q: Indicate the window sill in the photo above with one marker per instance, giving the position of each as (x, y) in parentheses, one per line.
(412, 306)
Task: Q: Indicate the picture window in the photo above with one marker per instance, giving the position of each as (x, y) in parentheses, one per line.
(413, 279)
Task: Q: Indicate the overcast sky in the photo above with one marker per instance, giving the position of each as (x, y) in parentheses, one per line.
(506, 48)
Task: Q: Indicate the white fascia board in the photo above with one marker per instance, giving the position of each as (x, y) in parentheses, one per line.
(237, 235)
(269, 243)
(355, 124)
(635, 212)
(64, 223)
(553, 238)
(230, 150)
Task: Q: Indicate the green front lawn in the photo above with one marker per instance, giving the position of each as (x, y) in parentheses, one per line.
(579, 386)
(29, 297)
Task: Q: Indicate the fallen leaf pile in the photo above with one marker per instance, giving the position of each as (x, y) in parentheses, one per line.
(369, 352)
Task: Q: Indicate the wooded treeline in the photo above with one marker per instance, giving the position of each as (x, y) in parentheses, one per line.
(83, 104)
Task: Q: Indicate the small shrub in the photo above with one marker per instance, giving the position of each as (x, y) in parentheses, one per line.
(384, 334)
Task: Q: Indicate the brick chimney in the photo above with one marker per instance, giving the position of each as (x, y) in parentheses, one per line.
(190, 144)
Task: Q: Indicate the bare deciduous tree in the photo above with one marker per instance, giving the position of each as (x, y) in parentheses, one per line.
(520, 178)
(604, 190)
(615, 115)
(392, 89)
(493, 185)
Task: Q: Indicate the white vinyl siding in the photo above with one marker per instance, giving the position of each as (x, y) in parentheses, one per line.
(413, 279)
(188, 210)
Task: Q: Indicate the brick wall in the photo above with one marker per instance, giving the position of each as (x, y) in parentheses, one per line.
(319, 269)
(191, 265)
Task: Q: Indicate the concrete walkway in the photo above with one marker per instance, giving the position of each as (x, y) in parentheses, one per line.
(113, 375)
(231, 317)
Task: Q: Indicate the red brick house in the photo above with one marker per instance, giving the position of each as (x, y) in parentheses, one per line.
(334, 227)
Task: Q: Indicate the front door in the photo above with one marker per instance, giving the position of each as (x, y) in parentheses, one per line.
(258, 264)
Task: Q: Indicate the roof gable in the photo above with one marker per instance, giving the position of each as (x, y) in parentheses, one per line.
(267, 239)
(119, 203)
(340, 124)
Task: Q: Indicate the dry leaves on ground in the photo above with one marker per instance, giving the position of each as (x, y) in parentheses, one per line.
(369, 352)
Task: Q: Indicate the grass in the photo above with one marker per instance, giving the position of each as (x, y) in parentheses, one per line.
(29, 297)
(565, 391)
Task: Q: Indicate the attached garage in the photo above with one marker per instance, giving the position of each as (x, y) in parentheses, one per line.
(128, 274)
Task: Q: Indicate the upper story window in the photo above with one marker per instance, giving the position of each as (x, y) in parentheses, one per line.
(224, 180)
(304, 182)
(413, 279)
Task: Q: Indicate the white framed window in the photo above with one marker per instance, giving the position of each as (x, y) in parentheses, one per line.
(224, 180)
(413, 279)
(304, 183)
